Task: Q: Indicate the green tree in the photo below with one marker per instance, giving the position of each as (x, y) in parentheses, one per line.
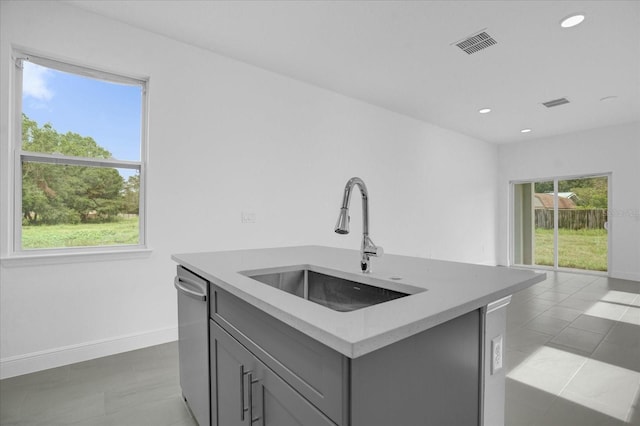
(543, 187)
(592, 193)
(131, 195)
(46, 140)
(53, 193)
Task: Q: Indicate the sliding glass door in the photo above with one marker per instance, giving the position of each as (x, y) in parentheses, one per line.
(561, 223)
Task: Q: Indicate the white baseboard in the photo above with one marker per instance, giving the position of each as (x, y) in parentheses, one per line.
(51, 358)
(625, 276)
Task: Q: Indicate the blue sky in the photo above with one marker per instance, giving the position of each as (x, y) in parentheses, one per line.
(108, 112)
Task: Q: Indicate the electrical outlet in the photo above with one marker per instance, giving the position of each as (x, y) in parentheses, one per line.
(496, 354)
(247, 217)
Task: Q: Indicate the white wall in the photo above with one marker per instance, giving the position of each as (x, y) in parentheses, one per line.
(614, 150)
(227, 137)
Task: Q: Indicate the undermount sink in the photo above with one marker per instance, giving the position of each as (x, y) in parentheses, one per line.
(339, 294)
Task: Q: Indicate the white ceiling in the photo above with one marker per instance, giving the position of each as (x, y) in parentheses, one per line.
(400, 55)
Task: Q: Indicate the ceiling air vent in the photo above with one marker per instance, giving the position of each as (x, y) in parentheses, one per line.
(476, 42)
(556, 102)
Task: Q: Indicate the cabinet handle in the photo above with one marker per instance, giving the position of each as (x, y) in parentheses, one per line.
(249, 407)
(243, 409)
(177, 282)
(251, 382)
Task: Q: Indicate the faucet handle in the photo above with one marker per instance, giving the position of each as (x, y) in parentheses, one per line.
(374, 251)
(369, 248)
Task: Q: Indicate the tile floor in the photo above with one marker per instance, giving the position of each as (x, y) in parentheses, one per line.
(137, 388)
(572, 358)
(573, 353)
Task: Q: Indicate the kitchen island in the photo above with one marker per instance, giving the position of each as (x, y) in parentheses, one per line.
(430, 356)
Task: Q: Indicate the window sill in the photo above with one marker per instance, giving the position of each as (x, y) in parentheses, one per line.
(58, 258)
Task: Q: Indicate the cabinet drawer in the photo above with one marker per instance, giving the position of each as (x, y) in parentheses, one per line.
(317, 372)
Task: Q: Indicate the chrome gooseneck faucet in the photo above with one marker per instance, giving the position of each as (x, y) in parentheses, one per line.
(342, 225)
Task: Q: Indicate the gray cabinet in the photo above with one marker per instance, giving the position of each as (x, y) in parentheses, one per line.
(431, 378)
(315, 371)
(247, 392)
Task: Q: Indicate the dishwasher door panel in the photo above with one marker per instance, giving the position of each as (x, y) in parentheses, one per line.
(193, 343)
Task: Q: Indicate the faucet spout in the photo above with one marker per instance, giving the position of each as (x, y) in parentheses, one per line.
(368, 248)
(342, 225)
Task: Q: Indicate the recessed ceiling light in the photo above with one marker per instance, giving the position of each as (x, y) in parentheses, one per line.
(608, 98)
(525, 130)
(484, 110)
(571, 21)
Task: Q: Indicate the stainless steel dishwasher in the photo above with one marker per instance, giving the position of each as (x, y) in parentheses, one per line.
(193, 343)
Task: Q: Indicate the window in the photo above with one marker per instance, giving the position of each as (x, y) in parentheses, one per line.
(79, 159)
(561, 223)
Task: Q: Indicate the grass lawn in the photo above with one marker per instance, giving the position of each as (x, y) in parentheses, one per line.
(579, 249)
(124, 231)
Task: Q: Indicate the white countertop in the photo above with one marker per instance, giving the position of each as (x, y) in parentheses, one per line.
(453, 289)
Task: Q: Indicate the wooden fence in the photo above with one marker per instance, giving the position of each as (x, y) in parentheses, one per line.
(572, 219)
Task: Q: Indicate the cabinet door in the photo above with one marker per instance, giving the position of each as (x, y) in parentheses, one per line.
(246, 392)
(283, 406)
(231, 367)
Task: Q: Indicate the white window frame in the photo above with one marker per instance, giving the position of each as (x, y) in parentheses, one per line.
(16, 250)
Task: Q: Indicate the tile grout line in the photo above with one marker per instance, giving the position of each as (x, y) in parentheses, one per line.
(631, 407)
(584, 361)
(616, 322)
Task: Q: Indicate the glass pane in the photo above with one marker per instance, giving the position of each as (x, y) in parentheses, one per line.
(582, 215)
(78, 206)
(533, 223)
(59, 107)
(544, 236)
